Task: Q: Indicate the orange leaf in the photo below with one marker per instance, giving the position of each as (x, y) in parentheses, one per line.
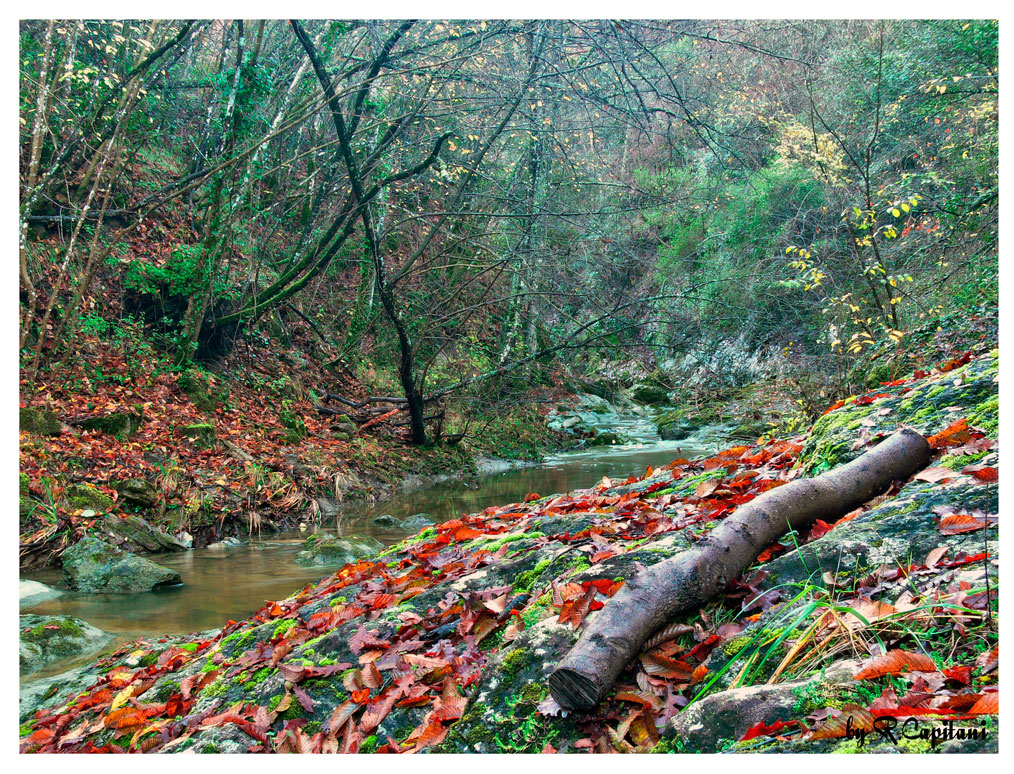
(957, 523)
(895, 662)
(988, 704)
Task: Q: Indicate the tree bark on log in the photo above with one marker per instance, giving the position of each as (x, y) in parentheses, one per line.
(651, 598)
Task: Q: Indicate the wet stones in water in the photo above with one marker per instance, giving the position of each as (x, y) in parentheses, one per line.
(330, 549)
(95, 566)
(139, 534)
(45, 639)
(418, 521)
(229, 542)
(608, 439)
(34, 593)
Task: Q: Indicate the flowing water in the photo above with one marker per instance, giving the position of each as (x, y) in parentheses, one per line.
(219, 584)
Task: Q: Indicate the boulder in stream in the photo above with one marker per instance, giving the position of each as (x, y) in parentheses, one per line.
(45, 639)
(140, 534)
(387, 520)
(34, 593)
(94, 566)
(331, 549)
(418, 521)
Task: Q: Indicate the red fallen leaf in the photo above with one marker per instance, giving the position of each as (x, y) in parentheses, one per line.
(988, 704)
(382, 600)
(176, 705)
(548, 749)
(959, 674)
(866, 400)
(954, 434)
(699, 673)
(895, 662)
(762, 729)
(962, 702)
(602, 585)
(833, 406)
(983, 473)
(987, 660)
(658, 665)
(819, 529)
(276, 611)
(129, 717)
(361, 696)
(950, 365)
(466, 533)
(531, 497)
(959, 523)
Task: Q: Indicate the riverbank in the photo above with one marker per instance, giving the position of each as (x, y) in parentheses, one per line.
(119, 433)
(444, 641)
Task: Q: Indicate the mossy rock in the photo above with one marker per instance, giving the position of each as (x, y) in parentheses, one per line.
(716, 720)
(39, 421)
(386, 520)
(137, 491)
(139, 534)
(45, 639)
(925, 407)
(87, 497)
(24, 483)
(120, 424)
(901, 531)
(649, 394)
(92, 565)
(197, 386)
(608, 439)
(332, 550)
(204, 435)
(750, 430)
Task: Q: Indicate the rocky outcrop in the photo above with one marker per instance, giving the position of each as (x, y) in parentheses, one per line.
(137, 491)
(45, 639)
(707, 725)
(94, 566)
(332, 550)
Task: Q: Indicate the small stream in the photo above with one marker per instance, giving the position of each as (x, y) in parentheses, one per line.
(234, 582)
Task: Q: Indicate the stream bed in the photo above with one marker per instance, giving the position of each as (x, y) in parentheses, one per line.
(232, 583)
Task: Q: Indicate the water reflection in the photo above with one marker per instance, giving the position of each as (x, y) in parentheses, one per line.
(235, 582)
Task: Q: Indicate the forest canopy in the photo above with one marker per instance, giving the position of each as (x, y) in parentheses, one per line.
(454, 208)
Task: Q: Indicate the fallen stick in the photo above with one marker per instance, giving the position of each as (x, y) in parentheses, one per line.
(378, 420)
(686, 581)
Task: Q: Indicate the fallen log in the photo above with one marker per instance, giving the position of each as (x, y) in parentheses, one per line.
(686, 581)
